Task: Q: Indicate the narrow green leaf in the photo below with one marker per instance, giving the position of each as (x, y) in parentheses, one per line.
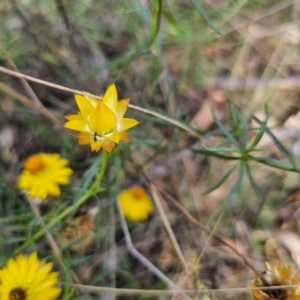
(278, 144)
(98, 190)
(221, 181)
(156, 15)
(224, 130)
(68, 291)
(224, 141)
(205, 16)
(222, 149)
(253, 183)
(238, 183)
(244, 135)
(262, 130)
(257, 149)
(275, 163)
(176, 29)
(233, 112)
(88, 177)
(215, 154)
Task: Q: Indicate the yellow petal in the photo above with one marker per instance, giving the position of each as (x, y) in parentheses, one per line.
(84, 138)
(78, 125)
(121, 108)
(126, 123)
(95, 146)
(102, 119)
(84, 105)
(74, 117)
(33, 266)
(42, 273)
(110, 98)
(92, 100)
(114, 136)
(53, 189)
(135, 204)
(108, 146)
(123, 136)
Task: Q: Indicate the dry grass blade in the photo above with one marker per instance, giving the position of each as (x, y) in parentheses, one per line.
(25, 84)
(147, 111)
(120, 291)
(155, 194)
(30, 104)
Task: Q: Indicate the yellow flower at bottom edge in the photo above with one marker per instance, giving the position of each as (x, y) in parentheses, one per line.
(42, 173)
(277, 275)
(27, 278)
(135, 204)
(101, 123)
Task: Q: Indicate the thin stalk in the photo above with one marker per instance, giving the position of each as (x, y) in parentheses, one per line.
(183, 126)
(102, 171)
(143, 260)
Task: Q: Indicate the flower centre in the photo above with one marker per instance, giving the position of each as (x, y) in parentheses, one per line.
(138, 192)
(34, 164)
(17, 294)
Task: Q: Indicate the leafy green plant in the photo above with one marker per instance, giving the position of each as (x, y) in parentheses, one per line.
(241, 150)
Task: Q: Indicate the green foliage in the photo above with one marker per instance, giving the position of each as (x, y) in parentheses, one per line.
(238, 136)
(204, 15)
(164, 56)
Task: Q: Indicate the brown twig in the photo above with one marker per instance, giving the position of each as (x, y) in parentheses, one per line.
(143, 259)
(121, 291)
(25, 84)
(157, 200)
(41, 109)
(187, 128)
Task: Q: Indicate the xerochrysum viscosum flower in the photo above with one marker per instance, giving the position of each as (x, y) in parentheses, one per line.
(28, 278)
(101, 123)
(42, 173)
(276, 275)
(135, 203)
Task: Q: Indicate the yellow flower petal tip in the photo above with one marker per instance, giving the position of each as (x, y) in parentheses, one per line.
(28, 278)
(136, 204)
(276, 275)
(101, 123)
(42, 174)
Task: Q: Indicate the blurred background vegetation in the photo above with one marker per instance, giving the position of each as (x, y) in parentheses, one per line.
(167, 57)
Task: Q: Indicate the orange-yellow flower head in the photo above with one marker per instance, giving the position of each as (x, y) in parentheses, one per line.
(42, 173)
(277, 275)
(27, 278)
(101, 123)
(135, 204)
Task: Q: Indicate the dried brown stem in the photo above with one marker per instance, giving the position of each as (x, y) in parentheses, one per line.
(41, 109)
(25, 84)
(142, 259)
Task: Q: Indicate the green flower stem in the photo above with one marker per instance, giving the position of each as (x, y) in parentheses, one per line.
(91, 191)
(102, 171)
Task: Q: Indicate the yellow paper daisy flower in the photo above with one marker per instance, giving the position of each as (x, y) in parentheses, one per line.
(100, 122)
(42, 173)
(135, 204)
(27, 278)
(277, 275)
